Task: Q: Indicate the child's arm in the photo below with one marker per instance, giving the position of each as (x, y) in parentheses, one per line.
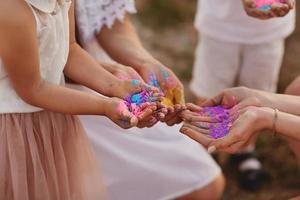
(84, 69)
(125, 47)
(19, 53)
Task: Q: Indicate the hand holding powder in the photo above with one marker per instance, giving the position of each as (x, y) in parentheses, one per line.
(221, 128)
(266, 4)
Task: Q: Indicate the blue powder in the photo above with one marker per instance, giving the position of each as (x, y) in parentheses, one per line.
(265, 8)
(135, 82)
(153, 81)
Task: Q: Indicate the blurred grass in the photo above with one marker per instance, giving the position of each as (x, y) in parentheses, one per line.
(166, 28)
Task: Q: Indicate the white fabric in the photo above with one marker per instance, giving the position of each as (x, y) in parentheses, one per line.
(149, 164)
(226, 20)
(220, 65)
(90, 20)
(53, 41)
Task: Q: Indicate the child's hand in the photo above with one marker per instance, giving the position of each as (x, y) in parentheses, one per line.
(276, 10)
(118, 112)
(126, 73)
(126, 88)
(157, 75)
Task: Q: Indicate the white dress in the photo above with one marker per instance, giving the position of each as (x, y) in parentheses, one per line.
(148, 164)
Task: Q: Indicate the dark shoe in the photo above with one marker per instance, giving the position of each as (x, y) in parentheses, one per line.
(249, 178)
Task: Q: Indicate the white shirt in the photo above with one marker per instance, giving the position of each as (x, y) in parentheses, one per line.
(53, 37)
(226, 20)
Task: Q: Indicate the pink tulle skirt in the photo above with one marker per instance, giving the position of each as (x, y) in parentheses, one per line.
(46, 156)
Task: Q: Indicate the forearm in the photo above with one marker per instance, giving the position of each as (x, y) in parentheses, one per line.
(284, 124)
(85, 70)
(123, 44)
(65, 100)
(288, 125)
(285, 103)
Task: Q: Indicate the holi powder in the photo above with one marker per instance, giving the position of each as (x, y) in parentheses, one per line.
(221, 114)
(266, 4)
(153, 81)
(170, 82)
(135, 101)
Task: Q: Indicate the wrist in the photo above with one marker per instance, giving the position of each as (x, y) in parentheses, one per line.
(265, 118)
(117, 90)
(144, 61)
(103, 105)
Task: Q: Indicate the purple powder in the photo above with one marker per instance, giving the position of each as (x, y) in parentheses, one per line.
(134, 101)
(221, 114)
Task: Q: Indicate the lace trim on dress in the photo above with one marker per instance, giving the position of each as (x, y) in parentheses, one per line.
(92, 15)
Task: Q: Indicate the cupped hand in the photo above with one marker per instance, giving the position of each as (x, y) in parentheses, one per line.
(238, 98)
(117, 111)
(276, 10)
(156, 74)
(249, 122)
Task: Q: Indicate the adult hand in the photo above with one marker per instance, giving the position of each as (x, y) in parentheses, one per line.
(236, 99)
(276, 10)
(250, 121)
(239, 97)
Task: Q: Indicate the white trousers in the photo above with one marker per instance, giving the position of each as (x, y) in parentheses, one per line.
(220, 65)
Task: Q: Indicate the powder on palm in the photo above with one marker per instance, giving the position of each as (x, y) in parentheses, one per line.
(266, 4)
(135, 101)
(219, 113)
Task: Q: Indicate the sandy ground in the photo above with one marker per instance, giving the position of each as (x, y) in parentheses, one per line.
(167, 31)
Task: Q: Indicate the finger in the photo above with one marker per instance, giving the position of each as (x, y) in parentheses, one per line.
(152, 123)
(145, 122)
(280, 9)
(252, 101)
(169, 116)
(200, 138)
(148, 105)
(250, 3)
(225, 142)
(197, 118)
(145, 113)
(128, 120)
(193, 107)
(195, 128)
(160, 116)
(212, 102)
(233, 148)
(203, 125)
(174, 120)
(290, 3)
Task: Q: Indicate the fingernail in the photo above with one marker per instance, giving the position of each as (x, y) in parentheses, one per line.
(211, 149)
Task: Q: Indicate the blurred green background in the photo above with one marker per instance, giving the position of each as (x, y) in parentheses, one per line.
(167, 31)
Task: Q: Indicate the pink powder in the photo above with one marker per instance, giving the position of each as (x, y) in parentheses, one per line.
(261, 3)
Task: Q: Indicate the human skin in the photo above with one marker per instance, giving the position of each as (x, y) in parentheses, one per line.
(253, 112)
(277, 9)
(25, 76)
(125, 47)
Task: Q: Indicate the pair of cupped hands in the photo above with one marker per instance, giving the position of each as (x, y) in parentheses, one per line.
(164, 105)
(277, 9)
(248, 110)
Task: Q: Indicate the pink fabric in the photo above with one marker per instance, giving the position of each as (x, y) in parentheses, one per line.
(45, 155)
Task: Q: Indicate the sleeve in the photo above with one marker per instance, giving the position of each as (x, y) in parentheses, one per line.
(92, 15)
